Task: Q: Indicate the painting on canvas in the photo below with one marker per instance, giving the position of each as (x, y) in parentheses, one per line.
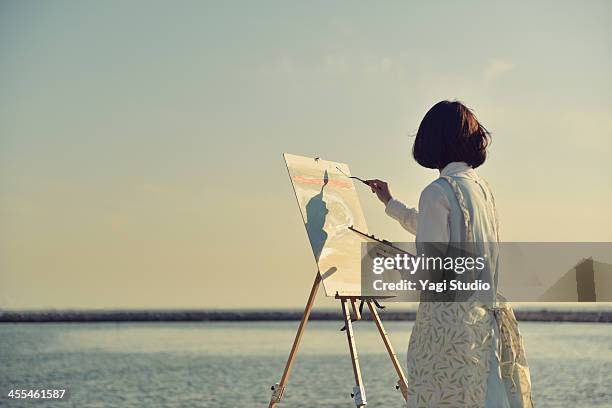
(329, 205)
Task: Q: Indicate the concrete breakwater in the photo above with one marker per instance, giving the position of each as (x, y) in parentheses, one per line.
(59, 316)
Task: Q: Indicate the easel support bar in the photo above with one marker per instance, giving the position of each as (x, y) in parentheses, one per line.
(402, 383)
(355, 308)
(359, 390)
(279, 389)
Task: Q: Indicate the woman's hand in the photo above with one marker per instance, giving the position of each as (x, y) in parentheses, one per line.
(381, 189)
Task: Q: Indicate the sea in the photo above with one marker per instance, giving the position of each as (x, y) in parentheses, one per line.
(233, 364)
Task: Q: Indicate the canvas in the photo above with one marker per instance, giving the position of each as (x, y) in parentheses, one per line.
(329, 205)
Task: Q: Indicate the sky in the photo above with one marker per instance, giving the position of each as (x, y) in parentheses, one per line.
(141, 142)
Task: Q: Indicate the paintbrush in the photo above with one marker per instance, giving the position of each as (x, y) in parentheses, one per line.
(353, 177)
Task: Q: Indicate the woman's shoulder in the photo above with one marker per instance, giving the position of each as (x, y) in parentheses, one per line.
(434, 192)
(438, 187)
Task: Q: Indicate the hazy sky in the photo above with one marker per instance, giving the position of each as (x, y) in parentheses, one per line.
(141, 142)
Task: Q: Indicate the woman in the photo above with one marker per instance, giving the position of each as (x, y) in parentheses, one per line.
(467, 352)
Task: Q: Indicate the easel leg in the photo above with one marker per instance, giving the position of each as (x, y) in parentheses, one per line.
(359, 390)
(279, 389)
(402, 384)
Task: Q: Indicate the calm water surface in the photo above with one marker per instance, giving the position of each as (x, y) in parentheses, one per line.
(234, 364)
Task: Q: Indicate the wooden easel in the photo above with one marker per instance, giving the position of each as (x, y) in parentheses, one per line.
(358, 394)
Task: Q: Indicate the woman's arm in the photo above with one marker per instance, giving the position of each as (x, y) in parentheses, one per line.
(407, 217)
(433, 215)
(430, 223)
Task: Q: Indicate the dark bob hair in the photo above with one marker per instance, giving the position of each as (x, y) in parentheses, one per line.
(448, 133)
